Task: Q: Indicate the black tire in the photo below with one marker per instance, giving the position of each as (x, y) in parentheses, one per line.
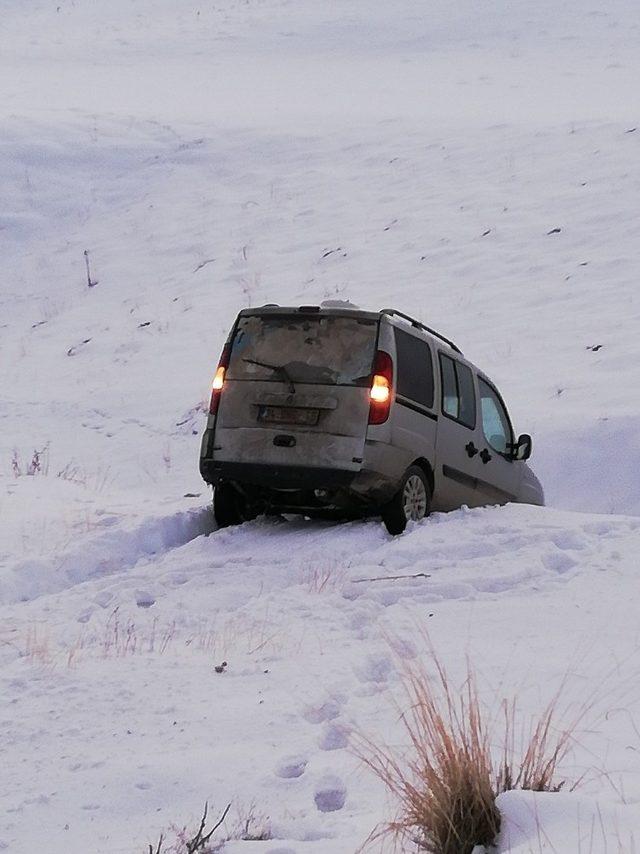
(411, 501)
(230, 506)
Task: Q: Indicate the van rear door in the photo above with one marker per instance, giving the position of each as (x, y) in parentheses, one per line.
(296, 390)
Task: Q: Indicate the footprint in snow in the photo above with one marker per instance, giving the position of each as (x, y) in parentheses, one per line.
(334, 737)
(330, 794)
(569, 540)
(325, 711)
(108, 521)
(559, 561)
(144, 599)
(291, 767)
(600, 529)
(374, 668)
(103, 598)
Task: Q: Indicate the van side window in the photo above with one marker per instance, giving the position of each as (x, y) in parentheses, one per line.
(415, 368)
(458, 394)
(467, 395)
(495, 421)
(449, 387)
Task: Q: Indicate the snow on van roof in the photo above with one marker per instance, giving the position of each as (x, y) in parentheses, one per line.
(339, 303)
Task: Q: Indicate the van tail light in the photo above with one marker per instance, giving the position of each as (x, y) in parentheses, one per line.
(381, 391)
(218, 380)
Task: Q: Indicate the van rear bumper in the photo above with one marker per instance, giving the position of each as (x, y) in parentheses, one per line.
(275, 476)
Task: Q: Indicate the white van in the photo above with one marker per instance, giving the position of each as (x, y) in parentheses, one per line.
(337, 412)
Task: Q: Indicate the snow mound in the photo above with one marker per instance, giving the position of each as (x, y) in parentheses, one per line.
(94, 556)
(535, 822)
(593, 469)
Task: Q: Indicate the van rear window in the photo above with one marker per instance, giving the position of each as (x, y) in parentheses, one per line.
(322, 350)
(415, 368)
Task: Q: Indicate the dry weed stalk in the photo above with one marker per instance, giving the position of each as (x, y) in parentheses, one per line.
(238, 634)
(38, 464)
(325, 578)
(38, 647)
(447, 786)
(253, 826)
(124, 638)
(193, 843)
(540, 751)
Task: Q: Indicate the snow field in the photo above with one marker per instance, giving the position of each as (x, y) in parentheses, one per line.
(306, 663)
(192, 232)
(475, 166)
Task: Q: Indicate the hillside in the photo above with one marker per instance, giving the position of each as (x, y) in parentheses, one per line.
(476, 167)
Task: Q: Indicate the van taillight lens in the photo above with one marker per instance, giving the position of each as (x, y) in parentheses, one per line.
(380, 393)
(218, 380)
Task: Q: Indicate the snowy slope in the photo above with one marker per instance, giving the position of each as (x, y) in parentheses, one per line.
(474, 166)
(122, 715)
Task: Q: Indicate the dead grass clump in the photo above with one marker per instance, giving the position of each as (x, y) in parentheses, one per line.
(187, 842)
(531, 762)
(447, 786)
(241, 633)
(253, 826)
(122, 638)
(38, 464)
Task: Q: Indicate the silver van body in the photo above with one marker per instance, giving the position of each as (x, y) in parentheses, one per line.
(294, 425)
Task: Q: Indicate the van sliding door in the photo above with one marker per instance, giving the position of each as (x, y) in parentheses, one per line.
(459, 437)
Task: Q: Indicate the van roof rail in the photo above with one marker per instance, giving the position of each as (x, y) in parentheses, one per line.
(416, 323)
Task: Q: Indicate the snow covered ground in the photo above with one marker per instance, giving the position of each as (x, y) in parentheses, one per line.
(473, 164)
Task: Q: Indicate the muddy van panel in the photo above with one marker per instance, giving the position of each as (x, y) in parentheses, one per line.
(315, 348)
(288, 445)
(296, 390)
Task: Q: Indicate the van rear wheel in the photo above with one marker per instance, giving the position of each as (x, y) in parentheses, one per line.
(230, 506)
(411, 502)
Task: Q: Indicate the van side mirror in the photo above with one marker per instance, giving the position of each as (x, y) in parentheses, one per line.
(521, 450)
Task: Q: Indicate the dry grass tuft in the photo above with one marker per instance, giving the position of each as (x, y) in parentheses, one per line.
(239, 634)
(533, 763)
(327, 577)
(252, 826)
(447, 786)
(189, 842)
(121, 637)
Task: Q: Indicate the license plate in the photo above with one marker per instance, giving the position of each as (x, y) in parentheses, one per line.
(289, 415)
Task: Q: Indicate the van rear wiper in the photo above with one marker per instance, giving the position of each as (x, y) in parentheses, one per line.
(280, 369)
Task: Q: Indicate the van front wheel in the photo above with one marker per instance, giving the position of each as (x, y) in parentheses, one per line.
(411, 502)
(230, 506)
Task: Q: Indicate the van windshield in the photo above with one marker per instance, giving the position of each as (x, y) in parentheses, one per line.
(323, 350)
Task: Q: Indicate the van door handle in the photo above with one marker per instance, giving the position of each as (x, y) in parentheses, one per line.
(485, 456)
(471, 449)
